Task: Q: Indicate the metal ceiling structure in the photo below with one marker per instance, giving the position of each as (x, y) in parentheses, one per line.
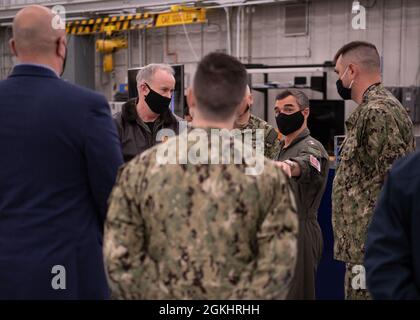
(91, 8)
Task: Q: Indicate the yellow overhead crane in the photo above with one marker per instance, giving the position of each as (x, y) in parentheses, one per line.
(181, 15)
(177, 15)
(108, 46)
(110, 26)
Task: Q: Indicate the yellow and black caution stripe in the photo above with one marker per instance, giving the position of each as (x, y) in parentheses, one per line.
(136, 21)
(118, 23)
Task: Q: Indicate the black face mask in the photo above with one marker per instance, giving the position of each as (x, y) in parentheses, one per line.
(289, 123)
(156, 102)
(345, 93)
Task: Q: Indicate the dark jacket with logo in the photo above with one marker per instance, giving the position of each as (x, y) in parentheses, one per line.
(135, 135)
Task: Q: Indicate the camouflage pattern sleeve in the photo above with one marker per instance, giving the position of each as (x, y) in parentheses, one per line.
(125, 227)
(381, 138)
(272, 144)
(271, 141)
(270, 275)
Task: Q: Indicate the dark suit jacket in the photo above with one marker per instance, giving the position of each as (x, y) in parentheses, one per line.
(59, 156)
(392, 257)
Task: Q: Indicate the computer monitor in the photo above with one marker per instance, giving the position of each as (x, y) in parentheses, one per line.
(325, 121)
(177, 102)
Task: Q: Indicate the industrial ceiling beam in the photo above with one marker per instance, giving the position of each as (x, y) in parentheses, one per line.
(7, 13)
(91, 7)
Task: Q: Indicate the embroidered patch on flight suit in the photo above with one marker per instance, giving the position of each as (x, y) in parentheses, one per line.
(315, 163)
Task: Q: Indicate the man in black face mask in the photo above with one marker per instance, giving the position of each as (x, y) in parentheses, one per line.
(306, 161)
(379, 131)
(141, 118)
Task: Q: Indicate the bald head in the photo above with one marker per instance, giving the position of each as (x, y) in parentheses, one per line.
(36, 40)
(33, 32)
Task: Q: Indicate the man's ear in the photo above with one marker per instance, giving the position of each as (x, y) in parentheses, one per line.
(353, 70)
(12, 46)
(306, 112)
(251, 99)
(191, 101)
(143, 89)
(242, 107)
(61, 49)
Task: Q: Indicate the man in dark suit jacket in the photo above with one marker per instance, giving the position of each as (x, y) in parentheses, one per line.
(392, 257)
(59, 158)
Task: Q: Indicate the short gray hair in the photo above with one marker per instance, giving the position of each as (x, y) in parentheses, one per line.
(146, 74)
(301, 98)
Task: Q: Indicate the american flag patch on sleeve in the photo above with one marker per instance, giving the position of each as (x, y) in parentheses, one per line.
(315, 163)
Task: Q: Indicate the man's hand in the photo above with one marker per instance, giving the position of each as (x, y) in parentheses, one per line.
(285, 167)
